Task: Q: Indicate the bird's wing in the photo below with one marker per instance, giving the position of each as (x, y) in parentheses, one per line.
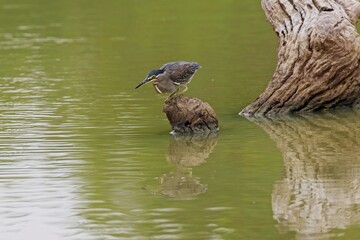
(181, 72)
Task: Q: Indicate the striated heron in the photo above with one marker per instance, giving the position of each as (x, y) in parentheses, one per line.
(171, 77)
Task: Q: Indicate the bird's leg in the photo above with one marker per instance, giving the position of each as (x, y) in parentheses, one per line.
(177, 92)
(155, 84)
(185, 88)
(174, 94)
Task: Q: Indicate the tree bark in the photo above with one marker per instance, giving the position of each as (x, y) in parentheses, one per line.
(318, 57)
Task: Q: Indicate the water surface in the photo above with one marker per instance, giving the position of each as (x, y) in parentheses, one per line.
(85, 156)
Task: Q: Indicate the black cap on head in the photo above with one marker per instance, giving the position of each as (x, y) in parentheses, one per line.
(155, 72)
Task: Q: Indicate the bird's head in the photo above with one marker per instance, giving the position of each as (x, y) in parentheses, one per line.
(152, 75)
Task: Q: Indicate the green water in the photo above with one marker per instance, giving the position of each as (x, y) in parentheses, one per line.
(85, 156)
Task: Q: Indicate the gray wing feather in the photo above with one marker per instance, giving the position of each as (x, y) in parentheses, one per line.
(180, 72)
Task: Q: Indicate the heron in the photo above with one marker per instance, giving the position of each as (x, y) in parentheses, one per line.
(172, 76)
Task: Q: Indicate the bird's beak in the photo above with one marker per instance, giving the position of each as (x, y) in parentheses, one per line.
(144, 82)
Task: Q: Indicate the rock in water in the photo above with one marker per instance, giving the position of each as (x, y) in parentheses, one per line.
(190, 115)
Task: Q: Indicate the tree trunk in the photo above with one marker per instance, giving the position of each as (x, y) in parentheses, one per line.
(318, 57)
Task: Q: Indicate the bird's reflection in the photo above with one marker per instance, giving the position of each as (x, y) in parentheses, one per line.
(185, 152)
(319, 190)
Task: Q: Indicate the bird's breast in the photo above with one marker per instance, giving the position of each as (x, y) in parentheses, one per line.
(164, 86)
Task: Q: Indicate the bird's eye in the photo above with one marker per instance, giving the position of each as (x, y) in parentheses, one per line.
(152, 77)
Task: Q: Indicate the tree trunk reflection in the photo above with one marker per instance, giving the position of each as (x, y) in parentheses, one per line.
(319, 190)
